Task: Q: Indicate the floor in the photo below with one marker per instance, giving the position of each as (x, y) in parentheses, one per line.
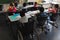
(4, 29)
(56, 32)
(54, 35)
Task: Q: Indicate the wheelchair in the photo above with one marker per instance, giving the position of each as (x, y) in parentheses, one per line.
(41, 21)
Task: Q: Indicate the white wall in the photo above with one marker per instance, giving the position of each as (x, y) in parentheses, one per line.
(46, 5)
(48, 0)
(5, 7)
(31, 0)
(38, 1)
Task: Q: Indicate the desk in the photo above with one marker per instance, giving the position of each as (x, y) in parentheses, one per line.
(28, 15)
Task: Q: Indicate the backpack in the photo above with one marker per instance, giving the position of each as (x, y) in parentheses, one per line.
(43, 14)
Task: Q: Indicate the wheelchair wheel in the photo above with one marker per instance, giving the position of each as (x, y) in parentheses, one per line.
(20, 37)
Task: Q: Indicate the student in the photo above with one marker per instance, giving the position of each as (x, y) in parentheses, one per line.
(16, 3)
(53, 11)
(41, 8)
(12, 8)
(41, 17)
(35, 5)
(24, 4)
(53, 17)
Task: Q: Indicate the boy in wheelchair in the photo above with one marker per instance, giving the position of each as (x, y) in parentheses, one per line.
(41, 18)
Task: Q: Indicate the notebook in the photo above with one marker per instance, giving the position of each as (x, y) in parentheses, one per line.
(13, 18)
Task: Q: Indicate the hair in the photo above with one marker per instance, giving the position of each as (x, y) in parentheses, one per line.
(51, 7)
(35, 2)
(41, 9)
(11, 4)
(22, 13)
(56, 6)
(24, 4)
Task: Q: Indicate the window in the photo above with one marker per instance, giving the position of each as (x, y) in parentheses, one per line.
(5, 1)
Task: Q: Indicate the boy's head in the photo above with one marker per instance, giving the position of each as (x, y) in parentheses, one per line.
(41, 9)
(24, 4)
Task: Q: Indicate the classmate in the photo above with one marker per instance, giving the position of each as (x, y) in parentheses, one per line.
(35, 5)
(53, 11)
(12, 8)
(24, 4)
(53, 17)
(16, 3)
(41, 17)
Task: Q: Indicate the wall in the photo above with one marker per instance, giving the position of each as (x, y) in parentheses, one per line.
(21, 1)
(38, 1)
(47, 5)
(5, 7)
